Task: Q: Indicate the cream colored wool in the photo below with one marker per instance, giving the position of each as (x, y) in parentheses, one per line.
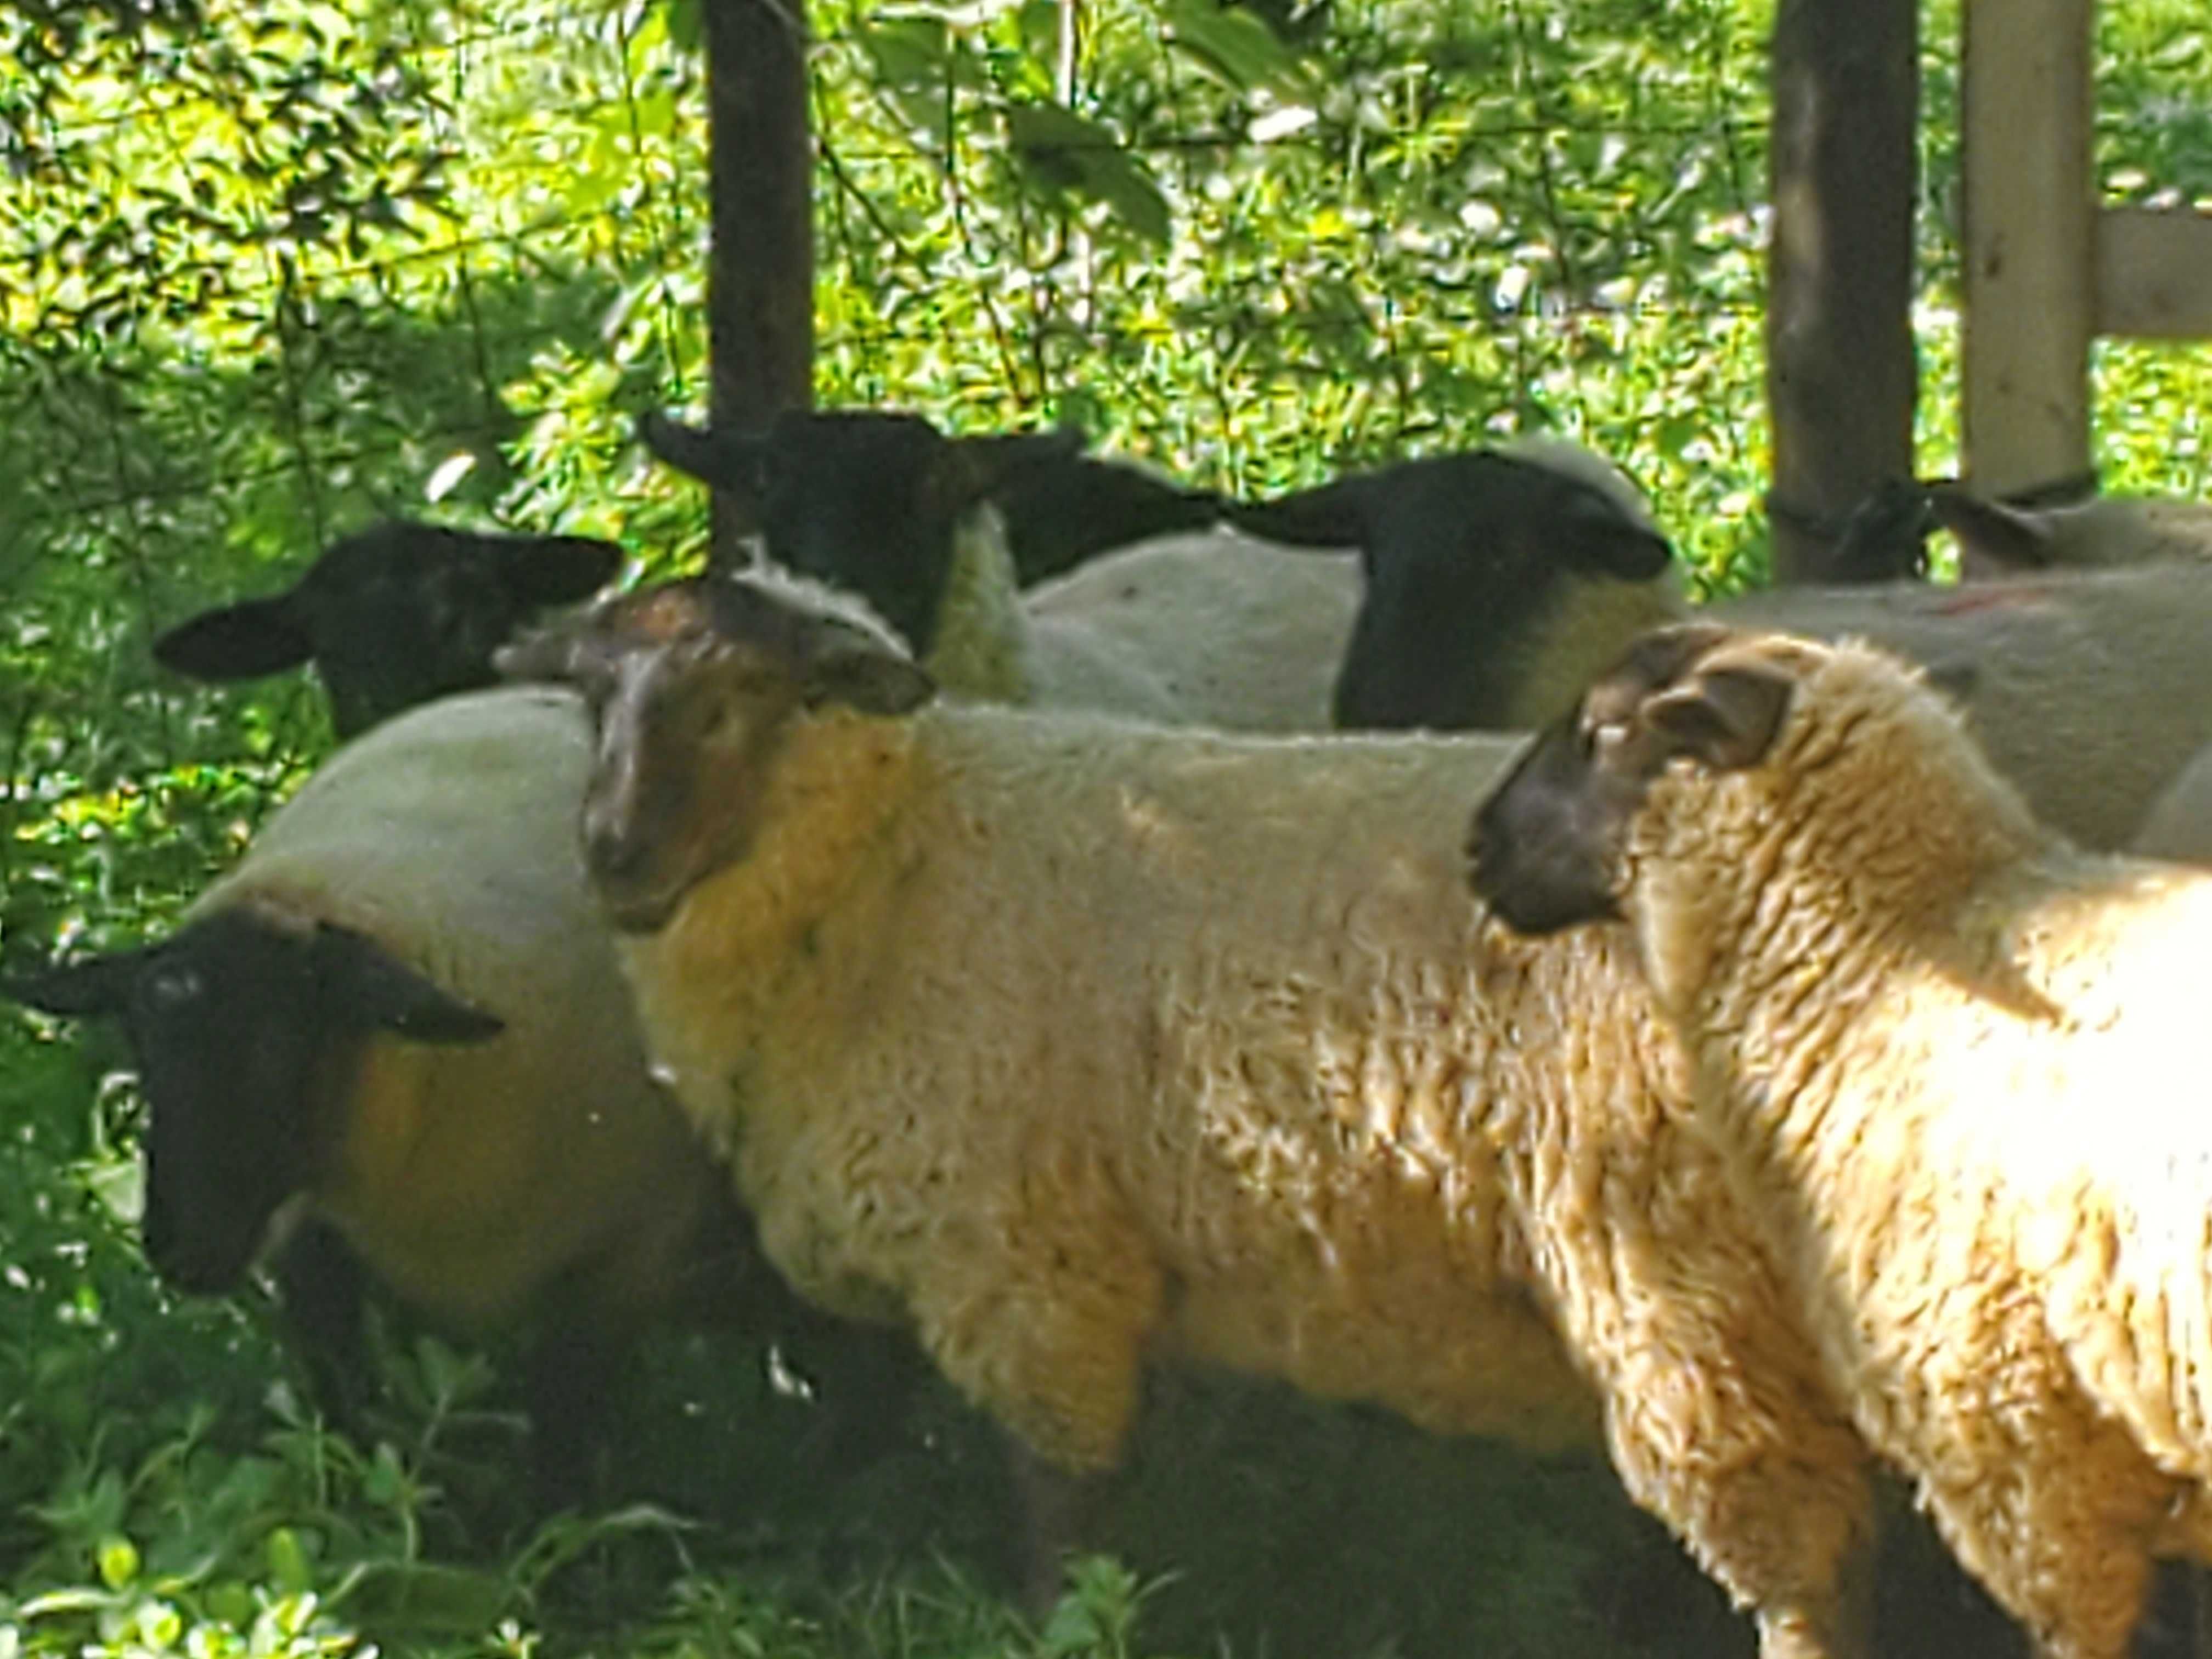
(2090, 690)
(1081, 1045)
(472, 1179)
(1953, 1058)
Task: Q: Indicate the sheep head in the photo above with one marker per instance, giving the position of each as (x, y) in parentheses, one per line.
(1548, 848)
(1483, 571)
(245, 1026)
(393, 616)
(693, 688)
(865, 499)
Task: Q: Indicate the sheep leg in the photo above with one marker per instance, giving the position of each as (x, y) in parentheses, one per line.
(322, 1293)
(1056, 1513)
(1044, 1327)
(570, 1387)
(2057, 1514)
(1720, 1431)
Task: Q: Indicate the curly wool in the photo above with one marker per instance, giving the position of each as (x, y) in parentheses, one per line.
(1943, 1046)
(1080, 1045)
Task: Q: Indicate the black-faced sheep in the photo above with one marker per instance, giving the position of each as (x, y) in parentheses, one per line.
(1557, 544)
(402, 1012)
(1886, 536)
(2089, 689)
(868, 498)
(1216, 627)
(394, 615)
(1076, 1043)
(1941, 1048)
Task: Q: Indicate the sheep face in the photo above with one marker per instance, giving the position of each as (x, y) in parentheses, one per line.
(1467, 559)
(1547, 848)
(394, 615)
(693, 688)
(243, 1027)
(863, 500)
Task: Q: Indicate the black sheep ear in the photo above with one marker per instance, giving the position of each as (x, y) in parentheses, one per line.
(1994, 539)
(538, 571)
(739, 465)
(1331, 515)
(240, 641)
(1725, 718)
(372, 989)
(860, 673)
(93, 988)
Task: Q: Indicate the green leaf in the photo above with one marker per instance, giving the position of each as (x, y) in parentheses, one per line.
(1065, 152)
(1236, 45)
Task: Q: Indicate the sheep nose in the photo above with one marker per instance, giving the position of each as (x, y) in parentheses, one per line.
(614, 854)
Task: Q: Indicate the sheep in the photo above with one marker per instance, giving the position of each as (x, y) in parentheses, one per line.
(393, 615)
(1885, 537)
(869, 496)
(2089, 688)
(1939, 1046)
(1216, 627)
(1559, 545)
(402, 1013)
(1074, 1043)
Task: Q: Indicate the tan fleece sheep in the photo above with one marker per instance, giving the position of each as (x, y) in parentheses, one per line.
(1952, 1060)
(1081, 1044)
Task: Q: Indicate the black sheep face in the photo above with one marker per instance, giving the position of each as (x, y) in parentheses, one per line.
(394, 615)
(246, 1032)
(1466, 557)
(1546, 848)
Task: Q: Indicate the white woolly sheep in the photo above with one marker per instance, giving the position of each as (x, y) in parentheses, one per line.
(1199, 627)
(402, 1010)
(2089, 689)
(1941, 1048)
(394, 615)
(1079, 1043)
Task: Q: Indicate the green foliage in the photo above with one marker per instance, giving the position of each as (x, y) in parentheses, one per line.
(270, 269)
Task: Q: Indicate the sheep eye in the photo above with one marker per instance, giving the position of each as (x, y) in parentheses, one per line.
(1606, 738)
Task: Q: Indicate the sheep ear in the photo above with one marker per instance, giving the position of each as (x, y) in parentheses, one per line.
(1333, 515)
(554, 569)
(737, 464)
(240, 641)
(1725, 718)
(864, 675)
(1994, 539)
(379, 991)
(93, 989)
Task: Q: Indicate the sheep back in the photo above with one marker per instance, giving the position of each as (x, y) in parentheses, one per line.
(2086, 689)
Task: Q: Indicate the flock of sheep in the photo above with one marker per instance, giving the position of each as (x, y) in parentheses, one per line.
(956, 927)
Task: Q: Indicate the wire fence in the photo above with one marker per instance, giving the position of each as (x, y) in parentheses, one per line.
(258, 287)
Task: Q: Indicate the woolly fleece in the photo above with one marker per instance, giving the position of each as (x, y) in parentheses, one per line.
(1081, 1045)
(1944, 1048)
